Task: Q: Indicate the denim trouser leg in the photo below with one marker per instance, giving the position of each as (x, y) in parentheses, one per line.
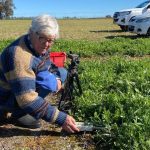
(43, 88)
(44, 92)
(63, 74)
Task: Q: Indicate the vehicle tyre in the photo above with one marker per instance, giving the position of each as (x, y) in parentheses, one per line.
(139, 35)
(124, 28)
(148, 32)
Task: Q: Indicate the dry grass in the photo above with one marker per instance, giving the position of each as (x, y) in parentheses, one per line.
(10, 29)
(89, 29)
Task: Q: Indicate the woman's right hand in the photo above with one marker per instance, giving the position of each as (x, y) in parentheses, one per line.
(70, 125)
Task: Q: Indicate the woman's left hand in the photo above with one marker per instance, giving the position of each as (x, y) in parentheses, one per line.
(58, 84)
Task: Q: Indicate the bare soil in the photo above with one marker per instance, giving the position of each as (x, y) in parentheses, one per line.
(49, 137)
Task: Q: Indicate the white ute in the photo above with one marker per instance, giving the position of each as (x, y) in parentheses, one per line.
(122, 17)
(141, 23)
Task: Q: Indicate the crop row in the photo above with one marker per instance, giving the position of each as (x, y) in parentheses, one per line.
(116, 46)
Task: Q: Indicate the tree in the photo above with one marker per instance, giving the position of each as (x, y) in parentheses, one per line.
(108, 16)
(6, 8)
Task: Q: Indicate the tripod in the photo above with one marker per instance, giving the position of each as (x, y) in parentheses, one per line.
(72, 86)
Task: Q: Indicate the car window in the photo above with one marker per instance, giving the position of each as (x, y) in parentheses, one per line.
(143, 4)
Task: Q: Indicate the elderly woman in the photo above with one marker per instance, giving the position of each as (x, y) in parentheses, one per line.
(25, 78)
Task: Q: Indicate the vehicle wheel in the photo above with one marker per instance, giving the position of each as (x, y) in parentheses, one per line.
(139, 35)
(124, 28)
(148, 32)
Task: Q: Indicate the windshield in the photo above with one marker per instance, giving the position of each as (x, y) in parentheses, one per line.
(143, 4)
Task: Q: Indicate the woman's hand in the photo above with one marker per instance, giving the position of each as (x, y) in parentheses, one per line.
(58, 84)
(70, 125)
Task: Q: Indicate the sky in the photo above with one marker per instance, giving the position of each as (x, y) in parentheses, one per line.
(71, 8)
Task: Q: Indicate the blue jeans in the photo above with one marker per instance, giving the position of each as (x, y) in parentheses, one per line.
(44, 92)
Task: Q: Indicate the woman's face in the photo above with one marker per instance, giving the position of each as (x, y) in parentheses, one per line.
(41, 42)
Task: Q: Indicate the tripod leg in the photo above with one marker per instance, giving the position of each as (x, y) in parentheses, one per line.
(66, 95)
(77, 85)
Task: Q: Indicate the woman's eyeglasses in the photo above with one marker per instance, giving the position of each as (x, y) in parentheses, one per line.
(44, 39)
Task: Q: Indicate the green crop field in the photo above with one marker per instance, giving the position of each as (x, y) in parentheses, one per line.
(115, 77)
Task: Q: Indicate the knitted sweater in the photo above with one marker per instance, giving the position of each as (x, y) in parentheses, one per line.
(19, 64)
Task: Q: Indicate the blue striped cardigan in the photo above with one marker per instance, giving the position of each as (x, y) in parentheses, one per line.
(19, 64)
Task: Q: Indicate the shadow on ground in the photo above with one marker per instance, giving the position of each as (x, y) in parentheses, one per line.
(126, 36)
(10, 132)
(119, 31)
(100, 31)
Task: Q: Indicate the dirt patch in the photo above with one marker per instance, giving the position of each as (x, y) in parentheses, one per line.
(47, 137)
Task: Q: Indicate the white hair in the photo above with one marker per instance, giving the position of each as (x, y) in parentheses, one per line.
(45, 24)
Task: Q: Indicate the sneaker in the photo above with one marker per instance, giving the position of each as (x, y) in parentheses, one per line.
(26, 121)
